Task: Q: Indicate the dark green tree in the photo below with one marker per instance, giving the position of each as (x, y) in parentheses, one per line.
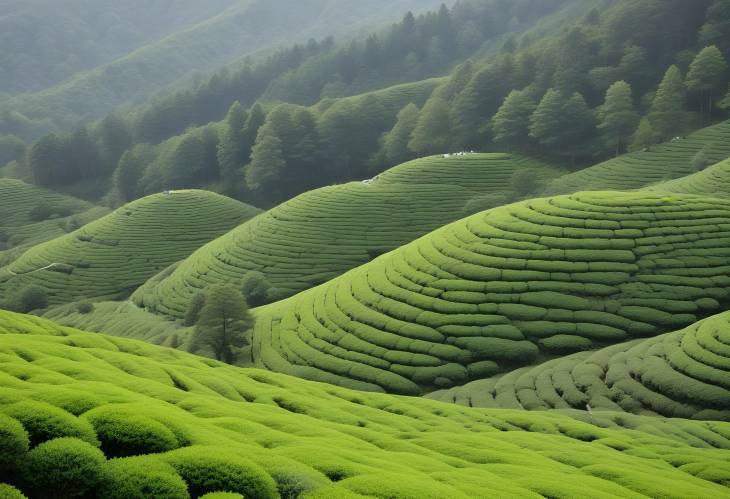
(707, 76)
(115, 137)
(668, 115)
(511, 124)
(231, 159)
(618, 118)
(267, 165)
(255, 288)
(44, 160)
(224, 323)
(395, 143)
(131, 168)
(547, 120)
(433, 131)
(193, 312)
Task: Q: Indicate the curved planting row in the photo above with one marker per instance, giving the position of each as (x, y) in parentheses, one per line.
(18, 201)
(495, 291)
(663, 162)
(685, 374)
(120, 251)
(323, 233)
(714, 181)
(88, 415)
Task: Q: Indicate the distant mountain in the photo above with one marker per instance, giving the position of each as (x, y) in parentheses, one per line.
(106, 64)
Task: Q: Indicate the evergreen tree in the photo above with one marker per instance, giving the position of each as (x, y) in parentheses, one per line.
(433, 130)
(230, 154)
(395, 142)
(668, 115)
(547, 120)
(44, 160)
(645, 136)
(256, 119)
(305, 169)
(707, 76)
(511, 124)
(267, 165)
(115, 137)
(224, 323)
(479, 100)
(131, 168)
(618, 117)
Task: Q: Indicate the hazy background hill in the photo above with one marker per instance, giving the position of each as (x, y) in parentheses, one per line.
(99, 55)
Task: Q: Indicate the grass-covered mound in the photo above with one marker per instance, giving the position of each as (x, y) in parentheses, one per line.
(500, 289)
(713, 181)
(118, 252)
(32, 215)
(323, 233)
(682, 374)
(84, 413)
(661, 163)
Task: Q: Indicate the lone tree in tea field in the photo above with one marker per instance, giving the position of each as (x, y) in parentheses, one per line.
(224, 323)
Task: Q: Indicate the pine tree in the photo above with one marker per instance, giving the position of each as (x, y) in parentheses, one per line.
(668, 115)
(511, 124)
(618, 117)
(433, 130)
(224, 323)
(707, 76)
(230, 152)
(267, 165)
(395, 143)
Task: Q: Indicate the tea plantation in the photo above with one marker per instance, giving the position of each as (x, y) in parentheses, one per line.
(118, 252)
(663, 162)
(323, 233)
(685, 374)
(504, 288)
(89, 415)
(713, 181)
(32, 215)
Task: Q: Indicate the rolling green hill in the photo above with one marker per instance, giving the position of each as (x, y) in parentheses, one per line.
(32, 215)
(118, 252)
(640, 169)
(682, 375)
(81, 412)
(323, 233)
(505, 287)
(713, 181)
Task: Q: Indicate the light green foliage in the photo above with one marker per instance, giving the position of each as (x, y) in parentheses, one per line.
(65, 467)
(8, 492)
(395, 144)
(118, 252)
(680, 375)
(644, 137)
(267, 162)
(256, 432)
(707, 75)
(602, 267)
(432, 132)
(666, 161)
(323, 233)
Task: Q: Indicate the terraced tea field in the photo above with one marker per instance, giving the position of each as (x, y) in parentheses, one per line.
(138, 421)
(118, 252)
(323, 233)
(713, 181)
(685, 374)
(32, 215)
(503, 288)
(663, 162)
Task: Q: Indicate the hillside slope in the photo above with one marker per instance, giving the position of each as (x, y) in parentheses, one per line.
(682, 374)
(713, 181)
(323, 233)
(173, 422)
(246, 27)
(118, 252)
(661, 163)
(32, 215)
(497, 290)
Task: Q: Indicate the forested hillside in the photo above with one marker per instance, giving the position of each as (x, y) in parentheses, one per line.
(224, 31)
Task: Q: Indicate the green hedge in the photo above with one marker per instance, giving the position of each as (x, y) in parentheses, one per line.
(141, 478)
